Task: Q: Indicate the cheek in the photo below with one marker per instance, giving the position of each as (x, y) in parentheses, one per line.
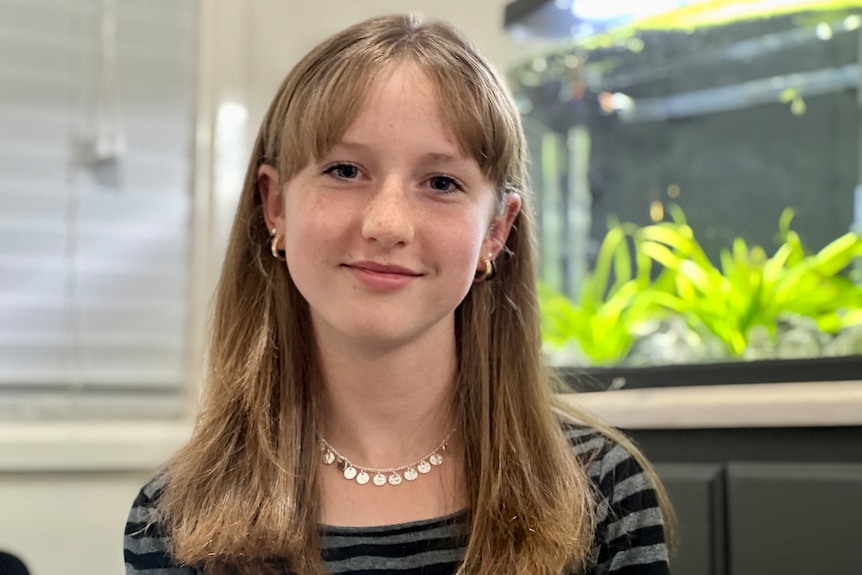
(302, 236)
(309, 221)
(467, 239)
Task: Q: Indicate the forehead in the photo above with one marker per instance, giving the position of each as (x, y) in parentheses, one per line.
(403, 104)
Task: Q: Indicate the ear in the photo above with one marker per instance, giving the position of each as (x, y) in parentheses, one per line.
(271, 198)
(500, 228)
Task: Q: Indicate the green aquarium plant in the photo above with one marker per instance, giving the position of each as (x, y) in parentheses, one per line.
(749, 288)
(613, 301)
(747, 293)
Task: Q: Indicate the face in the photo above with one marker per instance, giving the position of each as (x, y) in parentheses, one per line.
(384, 234)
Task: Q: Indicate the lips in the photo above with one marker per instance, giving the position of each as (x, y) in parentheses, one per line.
(383, 268)
(382, 277)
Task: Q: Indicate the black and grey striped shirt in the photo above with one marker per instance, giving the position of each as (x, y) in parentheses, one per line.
(629, 534)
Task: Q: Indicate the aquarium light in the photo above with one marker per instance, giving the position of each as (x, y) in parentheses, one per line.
(602, 11)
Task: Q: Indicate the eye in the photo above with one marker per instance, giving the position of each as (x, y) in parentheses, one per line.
(342, 171)
(444, 184)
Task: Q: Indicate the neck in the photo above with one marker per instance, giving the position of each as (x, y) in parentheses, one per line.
(385, 406)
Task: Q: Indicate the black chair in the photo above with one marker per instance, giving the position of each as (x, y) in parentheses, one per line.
(11, 565)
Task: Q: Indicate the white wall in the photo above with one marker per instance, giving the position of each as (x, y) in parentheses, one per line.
(65, 486)
(67, 522)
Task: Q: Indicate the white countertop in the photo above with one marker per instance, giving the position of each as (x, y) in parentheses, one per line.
(39, 445)
(809, 404)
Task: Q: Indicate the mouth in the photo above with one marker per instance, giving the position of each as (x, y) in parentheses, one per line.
(380, 277)
(383, 269)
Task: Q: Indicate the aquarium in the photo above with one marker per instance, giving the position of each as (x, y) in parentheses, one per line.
(696, 166)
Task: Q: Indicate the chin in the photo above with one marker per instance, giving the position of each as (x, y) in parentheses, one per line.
(388, 335)
(384, 337)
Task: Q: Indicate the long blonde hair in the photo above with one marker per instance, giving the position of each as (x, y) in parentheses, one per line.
(244, 491)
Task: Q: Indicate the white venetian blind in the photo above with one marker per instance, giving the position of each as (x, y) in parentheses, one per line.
(96, 143)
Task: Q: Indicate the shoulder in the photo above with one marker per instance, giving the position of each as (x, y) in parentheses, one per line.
(146, 542)
(629, 535)
(608, 462)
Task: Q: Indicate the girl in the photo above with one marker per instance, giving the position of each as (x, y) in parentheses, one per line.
(376, 399)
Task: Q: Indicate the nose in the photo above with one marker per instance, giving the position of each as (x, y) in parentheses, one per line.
(388, 217)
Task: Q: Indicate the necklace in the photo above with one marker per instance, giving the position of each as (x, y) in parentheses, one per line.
(381, 476)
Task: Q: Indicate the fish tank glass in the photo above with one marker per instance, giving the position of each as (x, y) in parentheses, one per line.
(696, 169)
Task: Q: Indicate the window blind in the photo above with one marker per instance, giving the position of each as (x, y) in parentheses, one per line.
(96, 162)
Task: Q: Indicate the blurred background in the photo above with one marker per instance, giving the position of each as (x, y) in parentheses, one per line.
(696, 168)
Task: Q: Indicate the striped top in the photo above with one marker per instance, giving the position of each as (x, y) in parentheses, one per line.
(629, 536)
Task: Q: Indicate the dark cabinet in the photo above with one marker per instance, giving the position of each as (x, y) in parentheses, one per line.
(697, 492)
(763, 501)
(795, 518)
